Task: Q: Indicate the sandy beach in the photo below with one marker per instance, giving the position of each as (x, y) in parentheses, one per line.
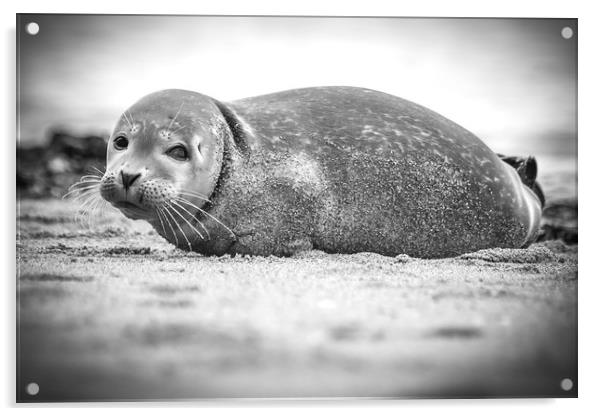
(109, 310)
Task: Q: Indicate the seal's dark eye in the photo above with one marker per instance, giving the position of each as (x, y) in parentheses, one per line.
(120, 143)
(178, 153)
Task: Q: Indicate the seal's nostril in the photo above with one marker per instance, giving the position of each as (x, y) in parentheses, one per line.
(128, 179)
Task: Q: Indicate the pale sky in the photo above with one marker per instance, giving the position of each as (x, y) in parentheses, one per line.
(511, 82)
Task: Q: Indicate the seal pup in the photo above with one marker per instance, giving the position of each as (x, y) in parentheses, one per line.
(339, 169)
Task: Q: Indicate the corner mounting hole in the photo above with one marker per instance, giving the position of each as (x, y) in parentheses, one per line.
(32, 389)
(566, 384)
(32, 28)
(566, 32)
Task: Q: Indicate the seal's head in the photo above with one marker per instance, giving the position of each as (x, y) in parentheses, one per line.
(164, 157)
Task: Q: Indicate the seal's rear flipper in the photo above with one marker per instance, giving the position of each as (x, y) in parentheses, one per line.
(539, 192)
(526, 167)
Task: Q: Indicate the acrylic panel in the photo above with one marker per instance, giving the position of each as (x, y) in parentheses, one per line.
(297, 207)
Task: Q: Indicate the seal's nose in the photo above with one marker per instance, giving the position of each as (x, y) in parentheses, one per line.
(128, 179)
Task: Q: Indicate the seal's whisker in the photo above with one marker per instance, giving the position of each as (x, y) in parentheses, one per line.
(183, 233)
(92, 211)
(91, 176)
(88, 177)
(187, 191)
(207, 214)
(88, 193)
(85, 198)
(131, 117)
(182, 200)
(75, 193)
(82, 187)
(84, 182)
(126, 120)
(86, 209)
(98, 170)
(79, 185)
(162, 212)
(192, 227)
(169, 208)
(130, 123)
(178, 129)
(158, 212)
(196, 195)
(192, 215)
(189, 223)
(176, 116)
(175, 222)
(91, 192)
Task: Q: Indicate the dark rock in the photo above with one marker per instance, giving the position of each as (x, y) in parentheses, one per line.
(559, 222)
(552, 232)
(85, 147)
(49, 169)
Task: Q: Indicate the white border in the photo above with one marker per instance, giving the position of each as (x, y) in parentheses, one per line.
(590, 135)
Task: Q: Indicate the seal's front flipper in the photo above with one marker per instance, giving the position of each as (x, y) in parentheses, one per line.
(526, 167)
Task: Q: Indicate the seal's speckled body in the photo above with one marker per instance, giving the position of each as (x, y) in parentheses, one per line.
(347, 170)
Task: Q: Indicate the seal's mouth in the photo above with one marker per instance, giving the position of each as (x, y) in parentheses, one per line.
(126, 205)
(130, 210)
